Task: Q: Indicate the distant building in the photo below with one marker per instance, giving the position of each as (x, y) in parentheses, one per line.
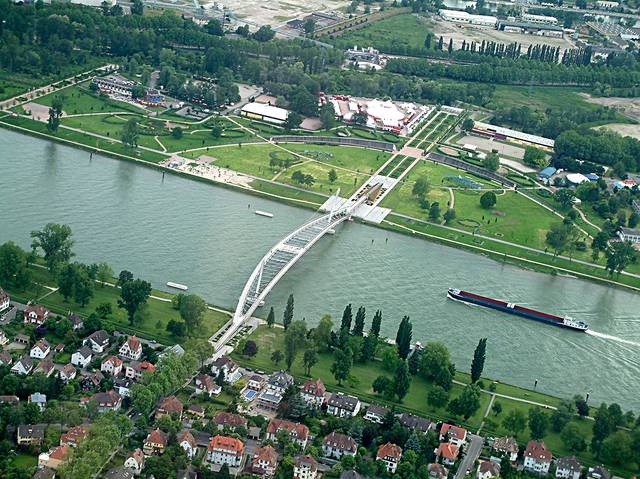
(305, 467)
(537, 458)
(389, 454)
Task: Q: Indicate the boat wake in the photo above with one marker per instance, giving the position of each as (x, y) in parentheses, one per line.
(613, 338)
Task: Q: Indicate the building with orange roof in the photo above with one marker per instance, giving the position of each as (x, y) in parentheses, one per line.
(225, 450)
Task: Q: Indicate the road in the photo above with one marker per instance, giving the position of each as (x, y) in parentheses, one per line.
(471, 454)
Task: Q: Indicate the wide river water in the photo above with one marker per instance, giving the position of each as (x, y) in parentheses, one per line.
(175, 229)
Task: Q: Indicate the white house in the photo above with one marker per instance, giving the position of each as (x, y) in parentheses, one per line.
(337, 445)
(568, 468)
(342, 405)
(40, 350)
(537, 458)
(131, 349)
(81, 357)
(97, 341)
(225, 450)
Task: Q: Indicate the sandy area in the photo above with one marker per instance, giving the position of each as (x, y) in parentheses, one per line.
(460, 32)
(624, 129)
(629, 106)
(204, 168)
(485, 144)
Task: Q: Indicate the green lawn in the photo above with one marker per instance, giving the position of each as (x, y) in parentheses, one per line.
(385, 34)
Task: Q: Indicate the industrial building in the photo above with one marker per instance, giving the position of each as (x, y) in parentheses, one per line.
(264, 112)
(538, 19)
(468, 18)
(540, 29)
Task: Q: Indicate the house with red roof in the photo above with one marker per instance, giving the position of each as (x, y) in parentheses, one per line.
(453, 434)
(131, 349)
(225, 450)
(390, 455)
(448, 453)
(299, 433)
(537, 458)
(265, 461)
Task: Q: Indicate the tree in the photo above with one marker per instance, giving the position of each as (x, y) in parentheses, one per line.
(572, 438)
(271, 318)
(130, 133)
(619, 256)
(293, 121)
(479, 355)
(347, 317)
(55, 242)
(538, 422)
(467, 403)
(341, 367)
(488, 200)
(403, 337)
(264, 34)
(276, 357)
(327, 116)
(491, 161)
(401, 380)
(358, 327)
(564, 197)
(192, 308)
(436, 365)
(437, 397)
(287, 316)
(309, 26)
(309, 360)
(133, 295)
(514, 422)
(55, 113)
(434, 212)
(468, 124)
(294, 341)
(332, 175)
(535, 157)
(449, 215)
(420, 187)
(250, 349)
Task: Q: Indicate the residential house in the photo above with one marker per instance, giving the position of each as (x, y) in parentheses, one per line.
(98, 341)
(122, 386)
(30, 434)
(39, 400)
(74, 436)
(343, 405)
(453, 434)
(10, 399)
(171, 406)
(135, 370)
(598, 472)
(135, 461)
(131, 349)
(4, 340)
(55, 457)
(313, 392)
(23, 366)
(76, 321)
(91, 381)
(67, 373)
(111, 365)
(389, 454)
(256, 383)
(299, 433)
(265, 461)
(229, 420)
(45, 367)
(225, 450)
(195, 410)
(376, 413)
(337, 445)
(5, 358)
(119, 472)
(437, 471)
(5, 300)
(488, 470)
(506, 446)
(186, 441)
(305, 467)
(537, 458)
(82, 357)
(207, 385)
(230, 371)
(40, 350)
(448, 453)
(106, 401)
(155, 443)
(35, 314)
(568, 467)
(416, 423)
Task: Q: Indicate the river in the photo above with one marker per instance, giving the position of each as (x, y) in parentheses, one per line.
(175, 229)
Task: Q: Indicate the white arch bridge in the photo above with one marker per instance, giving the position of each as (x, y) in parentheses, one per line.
(279, 259)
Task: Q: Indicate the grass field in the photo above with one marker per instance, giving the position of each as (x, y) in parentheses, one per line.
(384, 34)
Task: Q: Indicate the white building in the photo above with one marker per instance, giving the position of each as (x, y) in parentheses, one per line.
(459, 16)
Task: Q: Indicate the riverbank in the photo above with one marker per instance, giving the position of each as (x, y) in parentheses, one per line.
(531, 258)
